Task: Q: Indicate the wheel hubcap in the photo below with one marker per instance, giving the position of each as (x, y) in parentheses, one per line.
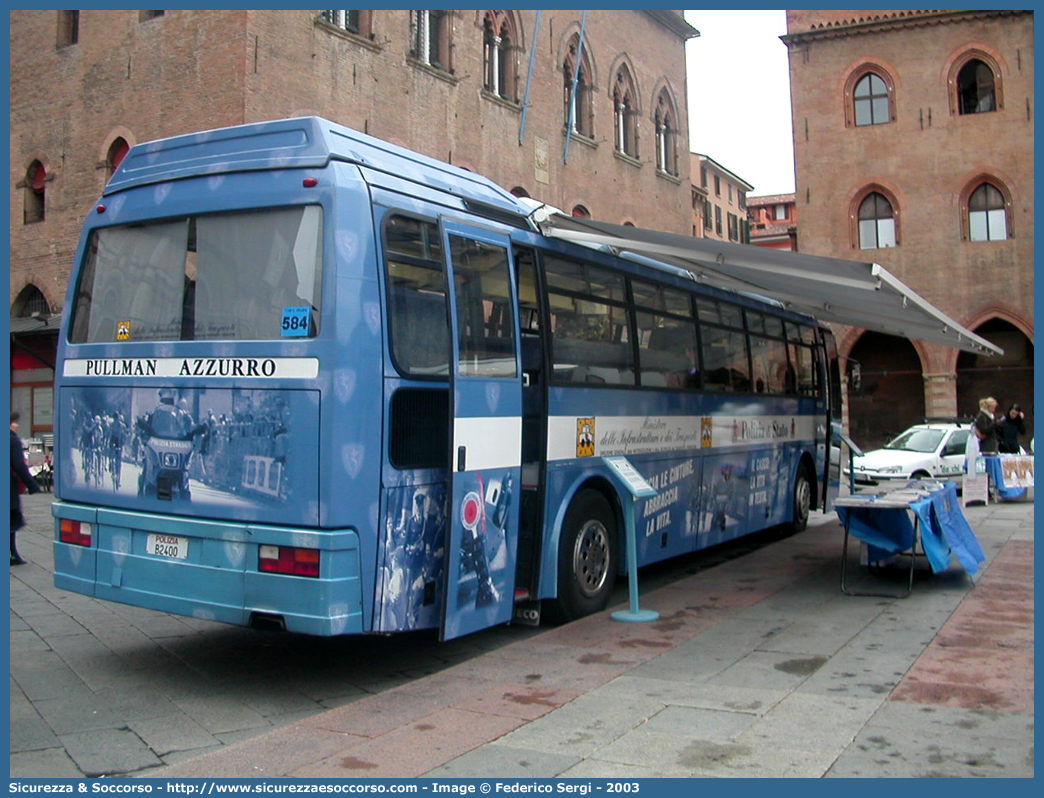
(803, 499)
(591, 558)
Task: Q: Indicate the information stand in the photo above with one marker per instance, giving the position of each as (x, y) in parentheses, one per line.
(882, 520)
(637, 488)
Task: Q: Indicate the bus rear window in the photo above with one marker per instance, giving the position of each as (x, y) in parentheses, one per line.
(237, 276)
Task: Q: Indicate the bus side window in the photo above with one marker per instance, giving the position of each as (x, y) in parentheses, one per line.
(725, 360)
(770, 364)
(590, 325)
(667, 352)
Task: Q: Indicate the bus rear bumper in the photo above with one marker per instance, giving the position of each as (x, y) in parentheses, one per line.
(218, 576)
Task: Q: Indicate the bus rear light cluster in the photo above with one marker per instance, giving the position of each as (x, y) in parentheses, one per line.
(76, 532)
(288, 560)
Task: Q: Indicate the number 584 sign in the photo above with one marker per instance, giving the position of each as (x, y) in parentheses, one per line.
(296, 321)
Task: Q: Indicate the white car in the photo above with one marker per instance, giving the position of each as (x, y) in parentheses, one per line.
(933, 450)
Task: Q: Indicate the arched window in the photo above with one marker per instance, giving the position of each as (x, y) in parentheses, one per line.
(117, 152)
(625, 112)
(976, 88)
(578, 112)
(498, 54)
(34, 196)
(876, 222)
(518, 191)
(430, 38)
(666, 123)
(987, 214)
(29, 302)
(580, 212)
(870, 101)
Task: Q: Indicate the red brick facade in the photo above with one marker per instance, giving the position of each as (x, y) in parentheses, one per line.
(187, 70)
(79, 83)
(925, 157)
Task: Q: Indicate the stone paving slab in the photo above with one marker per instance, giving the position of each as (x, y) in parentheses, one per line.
(816, 722)
(772, 670)
(583, 726)
(909, 753)
(172, 733)
(715, 725)
(50, 762)
(413, 749)
(952, 722)
(102, 752)
(507, 762)
(674, 692)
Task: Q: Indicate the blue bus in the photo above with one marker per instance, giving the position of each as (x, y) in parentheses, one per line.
(312, 381)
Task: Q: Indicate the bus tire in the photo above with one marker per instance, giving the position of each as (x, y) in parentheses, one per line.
(802, 501)
(587, 557)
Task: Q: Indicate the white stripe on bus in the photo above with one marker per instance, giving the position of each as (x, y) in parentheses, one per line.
(490, 442)
(629, 435)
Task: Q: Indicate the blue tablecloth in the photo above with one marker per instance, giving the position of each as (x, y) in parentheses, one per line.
(996, 473)
(944, 530)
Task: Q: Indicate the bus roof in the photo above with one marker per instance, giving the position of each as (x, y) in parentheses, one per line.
(302, 142)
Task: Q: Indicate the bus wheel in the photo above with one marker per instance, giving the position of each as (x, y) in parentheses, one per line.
(802, 501)
(586, 558)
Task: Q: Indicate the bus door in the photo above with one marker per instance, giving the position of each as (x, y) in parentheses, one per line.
(486, 431)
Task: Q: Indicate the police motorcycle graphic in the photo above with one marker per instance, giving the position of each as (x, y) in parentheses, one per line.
(166, 435)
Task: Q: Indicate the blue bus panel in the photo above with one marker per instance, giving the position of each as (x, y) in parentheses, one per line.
(273, 411)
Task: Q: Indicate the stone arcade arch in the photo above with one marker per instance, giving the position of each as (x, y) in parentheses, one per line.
(891, 391)
(1008, 378)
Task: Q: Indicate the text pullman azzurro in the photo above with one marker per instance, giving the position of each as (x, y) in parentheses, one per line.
(190, 367)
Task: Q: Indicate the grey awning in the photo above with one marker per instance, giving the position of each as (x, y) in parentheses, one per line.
(853, 293)
(37, 324)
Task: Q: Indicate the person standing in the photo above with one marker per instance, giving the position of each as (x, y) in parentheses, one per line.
(20, 479)
(986, 427)
(1011, 427)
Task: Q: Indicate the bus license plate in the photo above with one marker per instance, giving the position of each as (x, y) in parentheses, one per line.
(167, 546)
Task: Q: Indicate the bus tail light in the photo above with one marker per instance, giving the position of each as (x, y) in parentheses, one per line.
(76, 532)
(288, 560)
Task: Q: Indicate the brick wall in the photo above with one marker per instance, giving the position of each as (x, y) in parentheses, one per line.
(191, 70)
(925, 157)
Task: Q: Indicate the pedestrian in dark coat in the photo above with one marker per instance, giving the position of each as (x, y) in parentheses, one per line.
(1011, 427)
(20, 479)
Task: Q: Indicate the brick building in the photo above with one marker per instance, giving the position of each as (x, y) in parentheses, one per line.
(486, 90)
(913, 141)
(773, 221)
